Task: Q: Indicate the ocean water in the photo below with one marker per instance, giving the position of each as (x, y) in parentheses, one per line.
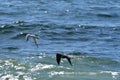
(86, 30)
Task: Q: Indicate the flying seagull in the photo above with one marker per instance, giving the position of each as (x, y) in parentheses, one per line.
(59, 56)
(35, 38)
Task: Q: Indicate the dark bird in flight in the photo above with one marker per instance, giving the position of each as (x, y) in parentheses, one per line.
(35, 38)
(59, 56)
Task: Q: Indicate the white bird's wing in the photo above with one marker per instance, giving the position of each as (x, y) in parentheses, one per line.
(27, 37)
(35, 40)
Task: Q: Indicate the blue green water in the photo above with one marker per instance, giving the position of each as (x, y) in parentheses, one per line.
(86, 30)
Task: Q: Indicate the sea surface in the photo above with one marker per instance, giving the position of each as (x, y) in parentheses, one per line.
(88, 31)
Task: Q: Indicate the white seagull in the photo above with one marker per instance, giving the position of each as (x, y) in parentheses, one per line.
(35, 38)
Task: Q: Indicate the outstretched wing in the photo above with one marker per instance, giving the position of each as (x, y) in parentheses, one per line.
(35, 40)
(58, 58)
(69, 61)
(27, 37)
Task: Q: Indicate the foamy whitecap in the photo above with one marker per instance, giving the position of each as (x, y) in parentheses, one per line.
(9, 77)
(84, 73)
(1, 66)
(65, 67)
(15, 77)
(40, 57)
(19, 67)
(114, 74)
(27, 78)
(53, 73)
(8, 62)
(41, 67)
(20, 73)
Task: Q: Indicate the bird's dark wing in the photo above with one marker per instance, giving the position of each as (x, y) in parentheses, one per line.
(58, 58)
(69, 61)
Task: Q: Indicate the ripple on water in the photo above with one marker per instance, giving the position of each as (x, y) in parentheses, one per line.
(106, 15)
(19, 36)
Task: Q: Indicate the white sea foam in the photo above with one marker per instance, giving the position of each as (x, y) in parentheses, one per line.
(27, 78)
(20, 73)
(15, 77)
(41, 67)
(19, 67)
(53, 73)
(114, 74)
(9, 63)
(9, 77)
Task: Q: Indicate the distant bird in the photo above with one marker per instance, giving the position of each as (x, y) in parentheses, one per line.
(35, 38)
(59, 56)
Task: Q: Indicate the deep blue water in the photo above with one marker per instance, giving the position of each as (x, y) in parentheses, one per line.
(86, 30)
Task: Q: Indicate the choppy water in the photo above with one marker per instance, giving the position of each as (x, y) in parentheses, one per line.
(86, 30)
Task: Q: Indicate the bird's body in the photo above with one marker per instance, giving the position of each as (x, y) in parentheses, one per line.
(35, 38)
(59, 56)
